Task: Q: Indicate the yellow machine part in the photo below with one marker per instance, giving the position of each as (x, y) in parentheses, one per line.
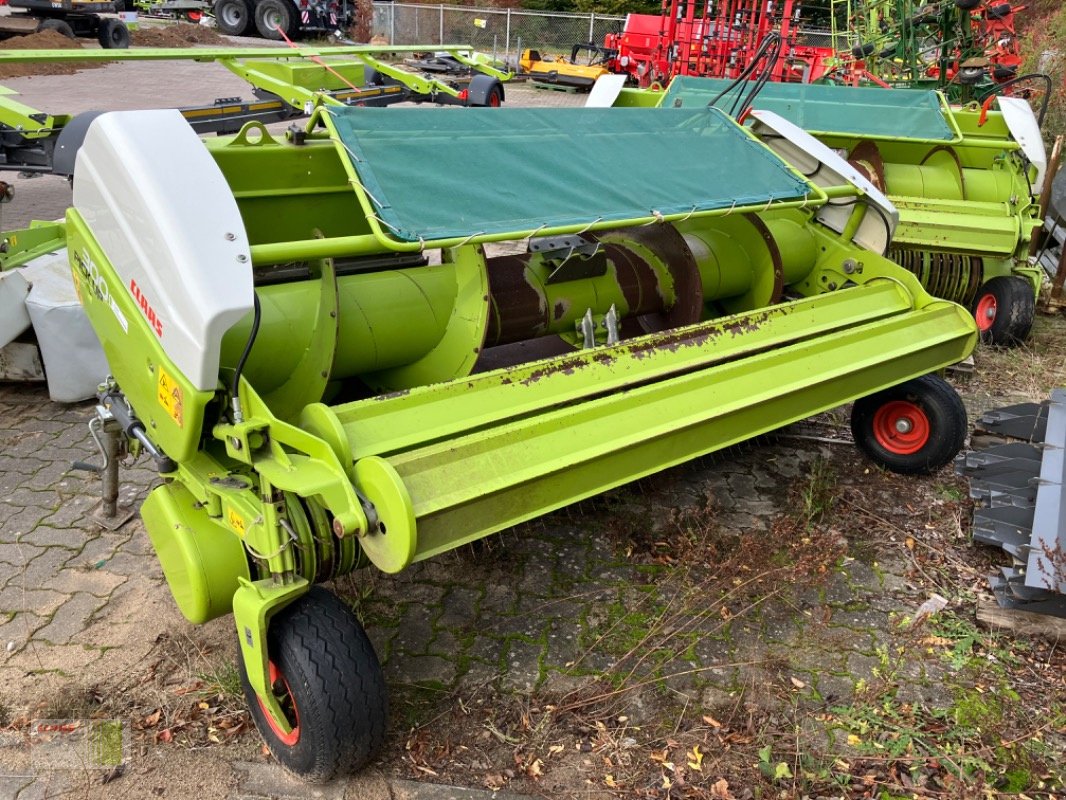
(558, 70)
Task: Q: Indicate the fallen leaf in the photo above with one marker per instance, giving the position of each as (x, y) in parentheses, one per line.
(695, 759)
(720, 790)
(909, 542)
(936, 640)
(555, 749)
(609, 781)
(798, 683)
(536, 769)
(711, 721)
(153, 719)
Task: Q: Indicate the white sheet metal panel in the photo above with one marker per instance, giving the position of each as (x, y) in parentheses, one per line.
(605, 91)
(1046, 566)
(1022, 124)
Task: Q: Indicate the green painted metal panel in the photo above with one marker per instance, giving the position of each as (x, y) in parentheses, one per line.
(201, 559)
(491, 171)
(558, 454)
(964, 227)
(384, 426)
(818, 108)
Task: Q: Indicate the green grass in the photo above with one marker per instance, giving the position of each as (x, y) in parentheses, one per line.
(818, 493)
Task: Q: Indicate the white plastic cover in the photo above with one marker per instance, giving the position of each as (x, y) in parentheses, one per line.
(163, 214)
(74, 362)
(13, 317)
(1023, 126)
(825, 167)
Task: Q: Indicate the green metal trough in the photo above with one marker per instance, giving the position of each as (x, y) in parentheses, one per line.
(963, 179)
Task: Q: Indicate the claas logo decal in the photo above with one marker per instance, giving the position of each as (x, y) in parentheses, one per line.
(146, 308)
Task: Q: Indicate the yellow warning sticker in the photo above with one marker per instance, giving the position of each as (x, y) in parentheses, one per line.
(236, 521)
(171, 398)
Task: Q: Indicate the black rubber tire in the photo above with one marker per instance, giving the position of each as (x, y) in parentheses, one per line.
(233, 17)
(284, 12)
(943, 411)
(113, 34)
(335, 683)
(967, 5)
(1013, 307)
(59, 26)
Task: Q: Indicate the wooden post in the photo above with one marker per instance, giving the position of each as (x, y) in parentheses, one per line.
(1045, 194)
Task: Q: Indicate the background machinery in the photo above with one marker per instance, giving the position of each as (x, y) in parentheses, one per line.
(286, 84)
(951, 45)
(70, 18)
(964, 181)
(282, 19)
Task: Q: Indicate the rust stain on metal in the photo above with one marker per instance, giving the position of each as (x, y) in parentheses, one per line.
(518, 309)
(566, 366)
(392, 395)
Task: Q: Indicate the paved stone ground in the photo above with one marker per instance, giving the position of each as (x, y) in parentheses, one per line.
(540, 608)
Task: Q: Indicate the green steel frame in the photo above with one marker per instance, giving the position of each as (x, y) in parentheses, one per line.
(291, 82)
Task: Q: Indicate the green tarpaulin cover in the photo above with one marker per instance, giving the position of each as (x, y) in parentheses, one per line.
(446, 173)
(865, 111)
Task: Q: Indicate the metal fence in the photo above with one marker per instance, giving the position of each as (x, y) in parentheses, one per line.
(500, 31)
(504, 32)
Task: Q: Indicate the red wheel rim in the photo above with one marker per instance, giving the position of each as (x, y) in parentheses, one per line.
(194, 16)
(280, 687)
(901, 427)
(494, 100)
(986, 312)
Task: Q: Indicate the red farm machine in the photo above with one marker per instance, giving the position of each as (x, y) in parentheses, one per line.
(714, 39)
(951, 45)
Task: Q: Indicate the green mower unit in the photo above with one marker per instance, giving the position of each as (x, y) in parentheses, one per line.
(963, 180)
(334, 366)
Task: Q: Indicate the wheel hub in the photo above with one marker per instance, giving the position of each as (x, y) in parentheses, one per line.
(280, 687)
(986, 312)
(901, 427)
